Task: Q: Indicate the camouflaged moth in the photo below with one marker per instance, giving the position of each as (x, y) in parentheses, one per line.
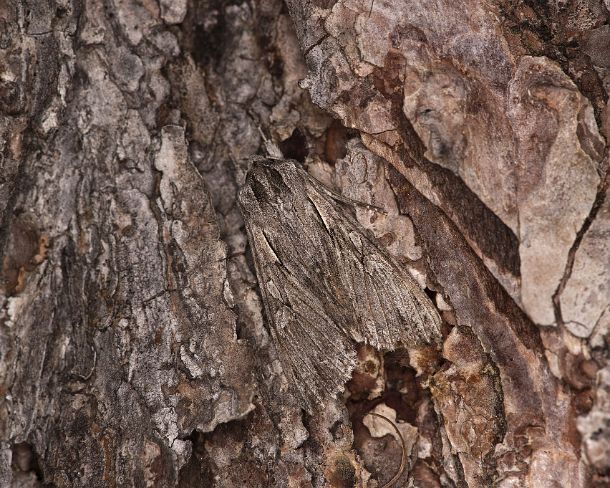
(325, 283)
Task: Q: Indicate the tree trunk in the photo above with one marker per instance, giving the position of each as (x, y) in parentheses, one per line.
(134, 348)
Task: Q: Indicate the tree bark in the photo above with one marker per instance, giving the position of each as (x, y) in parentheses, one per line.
(134, 349)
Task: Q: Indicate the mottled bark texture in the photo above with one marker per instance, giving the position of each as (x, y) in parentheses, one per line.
(133, 346)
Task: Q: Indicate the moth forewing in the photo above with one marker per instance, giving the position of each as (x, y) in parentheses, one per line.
(324, 281)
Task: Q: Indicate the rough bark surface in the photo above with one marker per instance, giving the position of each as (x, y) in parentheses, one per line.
(134, 350)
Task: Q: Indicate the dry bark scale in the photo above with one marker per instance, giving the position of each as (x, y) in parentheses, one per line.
(134, 350)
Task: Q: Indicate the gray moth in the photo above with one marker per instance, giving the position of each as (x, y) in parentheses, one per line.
(325, 284)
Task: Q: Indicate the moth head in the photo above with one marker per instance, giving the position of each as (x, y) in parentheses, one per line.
(268, 181)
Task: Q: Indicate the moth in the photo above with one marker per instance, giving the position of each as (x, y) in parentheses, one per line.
(325, 283)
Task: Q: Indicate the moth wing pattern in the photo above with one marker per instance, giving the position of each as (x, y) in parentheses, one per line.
(389, 306)
(317, 357)
(325, 284)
